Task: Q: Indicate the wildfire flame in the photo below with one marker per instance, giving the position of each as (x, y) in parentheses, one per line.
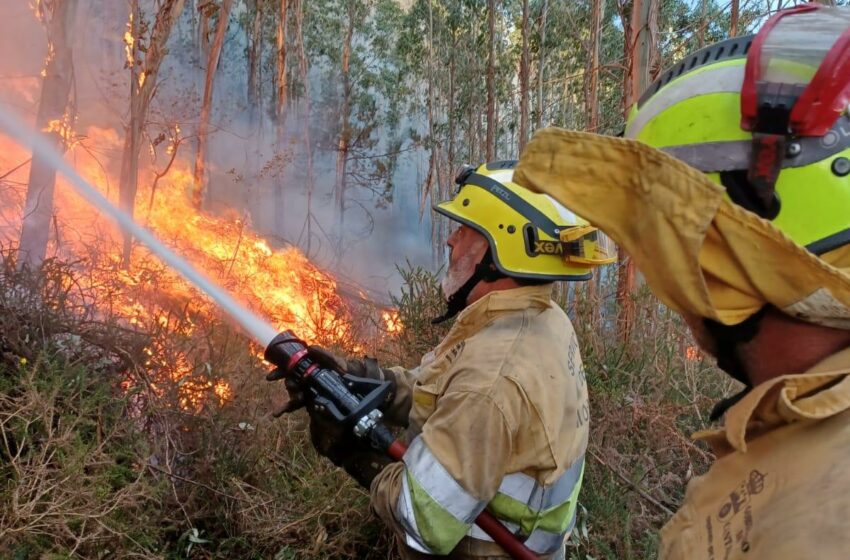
(392, 323)
(692, 354)
(63, 127)
(279, 283)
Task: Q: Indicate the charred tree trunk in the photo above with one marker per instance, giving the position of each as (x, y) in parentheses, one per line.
(344, 139)
(52, 119)
(491, 81)
(523, 81)
(144, 73)
(200, 176)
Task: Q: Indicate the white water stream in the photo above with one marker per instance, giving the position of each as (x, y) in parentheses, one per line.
(259, 329)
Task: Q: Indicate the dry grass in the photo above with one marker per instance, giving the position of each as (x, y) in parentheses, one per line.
(98, 458)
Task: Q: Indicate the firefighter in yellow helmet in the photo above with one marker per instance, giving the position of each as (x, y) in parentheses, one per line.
(749, 239)
(496, 416)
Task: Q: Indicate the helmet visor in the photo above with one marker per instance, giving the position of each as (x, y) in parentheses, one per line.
(587, 246)
(797, 78)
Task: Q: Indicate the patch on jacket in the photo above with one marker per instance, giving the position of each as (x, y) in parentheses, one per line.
(455, 351)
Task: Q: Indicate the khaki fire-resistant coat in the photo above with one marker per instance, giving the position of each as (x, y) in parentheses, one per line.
(780, 488)
(497, 417)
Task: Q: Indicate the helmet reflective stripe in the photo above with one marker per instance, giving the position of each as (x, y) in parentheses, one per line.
(805, 189)
(496, 188)
(715, 79)
(567, 216)
(525, 230)
(733, 155)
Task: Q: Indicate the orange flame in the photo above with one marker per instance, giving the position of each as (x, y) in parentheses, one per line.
(278, 283)
(392, 323)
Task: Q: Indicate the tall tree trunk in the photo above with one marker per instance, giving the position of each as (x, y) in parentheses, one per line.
(641, 57)
(592, 91)
(702, 24)
(523, 81)
(254, 57)
(52, 119)
(280, 109)
(491, 80)
(344, 138)
(200, 177)
(452, 124)
(280, 98)
(433, 172)
(544, 13)
(144, 74)
(204, 7)
(304, 71)
(733, 18)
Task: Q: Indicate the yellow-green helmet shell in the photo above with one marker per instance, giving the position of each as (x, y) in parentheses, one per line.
(693, 111)
(531, 235)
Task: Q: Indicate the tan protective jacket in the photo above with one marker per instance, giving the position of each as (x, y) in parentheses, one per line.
(781, 486)
(498, 418)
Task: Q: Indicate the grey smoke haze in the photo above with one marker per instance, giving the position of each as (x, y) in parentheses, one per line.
(247, 165)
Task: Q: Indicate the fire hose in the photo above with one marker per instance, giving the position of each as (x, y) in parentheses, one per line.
(353, 402)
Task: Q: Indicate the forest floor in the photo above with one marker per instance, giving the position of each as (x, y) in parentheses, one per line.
(102, 458)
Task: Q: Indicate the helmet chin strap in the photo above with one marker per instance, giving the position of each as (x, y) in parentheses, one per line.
(726, 339)
(485, 271)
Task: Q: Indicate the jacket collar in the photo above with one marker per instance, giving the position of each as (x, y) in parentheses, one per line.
(820, 393)
(494, 304)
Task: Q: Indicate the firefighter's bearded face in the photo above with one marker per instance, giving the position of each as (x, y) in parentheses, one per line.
(466, 249)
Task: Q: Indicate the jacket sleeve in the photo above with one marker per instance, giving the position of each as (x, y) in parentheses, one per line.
(397, 412)
(449, 474)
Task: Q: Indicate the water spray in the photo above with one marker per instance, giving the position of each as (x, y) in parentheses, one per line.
(351, 401)
(259, 329)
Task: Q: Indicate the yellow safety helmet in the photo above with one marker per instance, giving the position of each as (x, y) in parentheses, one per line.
(531, 236)
(766, 117)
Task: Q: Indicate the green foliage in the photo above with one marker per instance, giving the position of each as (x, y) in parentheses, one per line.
(420, 302)
(100, 458)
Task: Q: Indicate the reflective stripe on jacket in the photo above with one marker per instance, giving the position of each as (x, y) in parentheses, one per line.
(779, 489)
(498, 418)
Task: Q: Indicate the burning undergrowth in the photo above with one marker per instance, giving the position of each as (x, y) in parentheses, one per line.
(135, 420)
(279, 283)
(116, 440)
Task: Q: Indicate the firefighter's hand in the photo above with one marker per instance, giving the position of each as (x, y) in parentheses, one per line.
(344, 449)
(297, 397)
(361, 367)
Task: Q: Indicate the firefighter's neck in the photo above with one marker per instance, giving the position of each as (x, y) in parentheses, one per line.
(483, 288)
(785, 345)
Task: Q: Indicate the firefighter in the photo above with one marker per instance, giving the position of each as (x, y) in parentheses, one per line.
(496, 416)
(749, 240)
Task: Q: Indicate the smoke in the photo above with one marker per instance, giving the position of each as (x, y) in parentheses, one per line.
(253, 173)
